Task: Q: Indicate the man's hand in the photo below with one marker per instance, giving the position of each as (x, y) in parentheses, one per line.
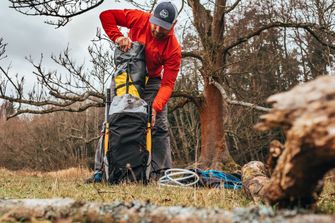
(124, 43)
(153, 117)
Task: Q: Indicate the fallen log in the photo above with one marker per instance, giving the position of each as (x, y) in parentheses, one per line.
(307, 115)
(67, 210)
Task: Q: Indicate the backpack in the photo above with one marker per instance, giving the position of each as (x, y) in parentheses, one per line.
(128, 156)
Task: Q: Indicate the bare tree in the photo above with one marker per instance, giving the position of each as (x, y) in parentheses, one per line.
(75, 90)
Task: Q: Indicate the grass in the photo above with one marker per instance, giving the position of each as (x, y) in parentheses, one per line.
(69, 184)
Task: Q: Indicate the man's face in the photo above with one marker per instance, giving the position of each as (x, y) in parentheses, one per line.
(159, 32)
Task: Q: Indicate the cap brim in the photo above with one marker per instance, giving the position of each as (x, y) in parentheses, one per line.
(160, 23)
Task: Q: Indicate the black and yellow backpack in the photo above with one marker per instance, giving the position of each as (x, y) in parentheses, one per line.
(128, 147)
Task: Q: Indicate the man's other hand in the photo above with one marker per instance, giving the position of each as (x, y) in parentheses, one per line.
(153, 117)
(124, 43)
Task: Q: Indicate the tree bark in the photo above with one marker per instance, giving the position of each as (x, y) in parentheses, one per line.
(67, 210)
(213, 143)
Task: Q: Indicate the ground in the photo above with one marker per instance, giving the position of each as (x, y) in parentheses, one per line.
(69, 184)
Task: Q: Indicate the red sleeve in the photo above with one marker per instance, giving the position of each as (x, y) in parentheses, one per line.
(110, 19)
(171, 69)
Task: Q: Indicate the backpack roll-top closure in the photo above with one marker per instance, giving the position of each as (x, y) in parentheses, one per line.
(131, 68)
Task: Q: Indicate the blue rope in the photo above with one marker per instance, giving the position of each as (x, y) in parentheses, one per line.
(229, 181)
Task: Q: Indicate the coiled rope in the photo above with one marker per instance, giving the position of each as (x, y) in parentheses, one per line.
(179, 178)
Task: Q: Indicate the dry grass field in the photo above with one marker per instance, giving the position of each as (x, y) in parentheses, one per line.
(69, 184)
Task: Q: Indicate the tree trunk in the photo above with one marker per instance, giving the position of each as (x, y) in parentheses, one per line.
(213, 144)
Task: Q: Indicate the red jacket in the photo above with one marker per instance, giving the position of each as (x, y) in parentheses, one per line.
(160, 55)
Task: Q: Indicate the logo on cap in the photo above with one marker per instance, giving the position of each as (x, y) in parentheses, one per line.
(164, 13)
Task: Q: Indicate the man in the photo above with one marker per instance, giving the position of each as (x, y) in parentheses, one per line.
(163, 58)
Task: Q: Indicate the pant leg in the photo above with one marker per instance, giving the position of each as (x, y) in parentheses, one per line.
(98, 161)
(161, 150)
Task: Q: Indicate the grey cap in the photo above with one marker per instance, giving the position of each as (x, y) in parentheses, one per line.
(164, 15)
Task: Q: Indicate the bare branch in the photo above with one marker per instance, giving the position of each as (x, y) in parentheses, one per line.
(146, 6)
(61, 104)
(17, 87)
(181, 104)
(189, 95)
(193, 54)
(182, 6)
(2, 49)
(331, 6)
(64, 10)
(307, 26)
(81, 108)
(86, 141)
(235, 102)
(77, 72)
(153, 6)
(232, 7)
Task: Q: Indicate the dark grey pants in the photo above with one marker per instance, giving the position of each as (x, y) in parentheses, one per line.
(161, 150)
